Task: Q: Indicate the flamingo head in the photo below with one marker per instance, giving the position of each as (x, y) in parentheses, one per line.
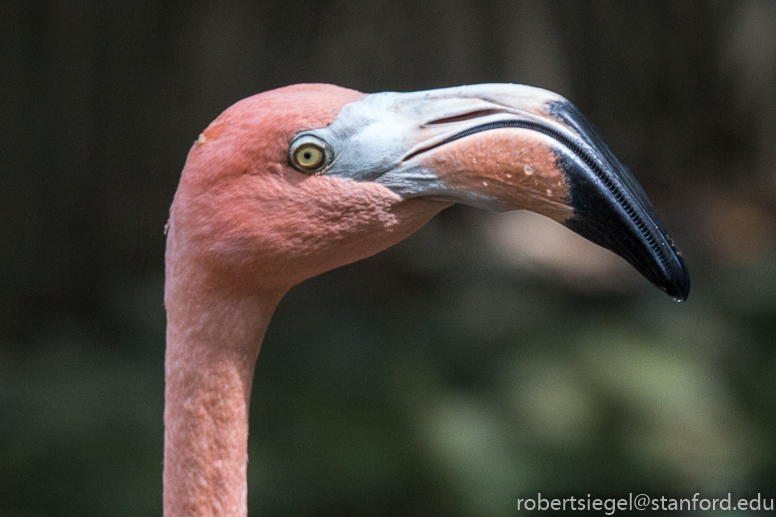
(293, 182)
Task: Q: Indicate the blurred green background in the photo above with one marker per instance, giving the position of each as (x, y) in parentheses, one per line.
(488, 357)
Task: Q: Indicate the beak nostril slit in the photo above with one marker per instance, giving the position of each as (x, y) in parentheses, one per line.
(465, 116)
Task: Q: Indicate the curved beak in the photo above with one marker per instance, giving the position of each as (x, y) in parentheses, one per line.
(506, 147)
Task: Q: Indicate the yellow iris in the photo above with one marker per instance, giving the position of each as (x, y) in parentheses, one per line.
(309, 156)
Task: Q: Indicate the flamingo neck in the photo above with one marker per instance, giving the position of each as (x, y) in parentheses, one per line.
(213, 341)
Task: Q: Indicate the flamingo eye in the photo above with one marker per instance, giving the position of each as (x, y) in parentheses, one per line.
(309, 154)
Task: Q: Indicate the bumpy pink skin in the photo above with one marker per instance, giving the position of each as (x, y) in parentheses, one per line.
(244, 228)
(517, 167)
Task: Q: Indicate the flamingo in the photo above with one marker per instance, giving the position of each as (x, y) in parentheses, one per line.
(293, 182)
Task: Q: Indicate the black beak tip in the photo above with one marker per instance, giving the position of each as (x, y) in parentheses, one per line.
(678, 287)
(663, 266)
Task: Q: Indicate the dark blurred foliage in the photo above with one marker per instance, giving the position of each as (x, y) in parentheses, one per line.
(484, 359)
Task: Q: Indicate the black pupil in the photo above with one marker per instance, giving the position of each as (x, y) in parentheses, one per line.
(308, 155)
